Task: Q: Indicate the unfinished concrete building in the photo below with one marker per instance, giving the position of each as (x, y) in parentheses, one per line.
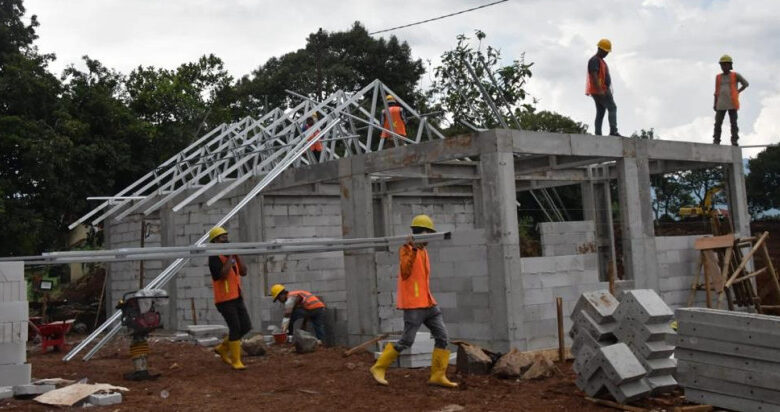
(488, 292)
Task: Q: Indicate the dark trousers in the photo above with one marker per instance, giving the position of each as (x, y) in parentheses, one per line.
(316, 316)
(605, 103)
(236, 316)
(431, 318)
(719, 116)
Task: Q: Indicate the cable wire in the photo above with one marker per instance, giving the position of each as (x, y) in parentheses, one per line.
(440, 17)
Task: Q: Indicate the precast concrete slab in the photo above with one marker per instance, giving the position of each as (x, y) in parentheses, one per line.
(660, 383)
(764, 380)
(643, 306)
(691, 380)
(727, 333)
(584, 322)
(727, 348)
(201, 331)
(599, 304)
(33, 389)
(749, 321)
(657, 367)
(715, 398)
(620, 364)
(726, 361)
(6, 392)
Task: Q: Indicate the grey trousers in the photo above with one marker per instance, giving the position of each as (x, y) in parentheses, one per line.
(431, 318)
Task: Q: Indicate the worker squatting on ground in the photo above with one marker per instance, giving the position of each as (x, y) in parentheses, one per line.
(395, 122)
(727, 98)
(226, 272)
(300, 304)
(419, 306)
(316, 148)
(599, 87)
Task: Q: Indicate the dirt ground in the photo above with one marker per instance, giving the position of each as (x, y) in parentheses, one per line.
(196, 380)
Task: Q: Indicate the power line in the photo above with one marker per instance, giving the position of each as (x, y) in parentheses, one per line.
(440, 17)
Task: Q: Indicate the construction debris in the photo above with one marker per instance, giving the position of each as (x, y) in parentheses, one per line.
(729, 359)
(72, 394)
(254, 346)
(473, 360)
(304, 341)
(33, 389)
(542, 367)
(513, 364)
(105, 399)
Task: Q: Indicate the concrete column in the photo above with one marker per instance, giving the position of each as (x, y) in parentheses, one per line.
(498, 195)
(168, 238)
(357, 221)
(639, 254)
(737, 194)
(250, 229)
(588, 201)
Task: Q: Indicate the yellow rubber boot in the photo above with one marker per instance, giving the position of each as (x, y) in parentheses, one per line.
(380, 367)
(235, 355)
(439, 361)
(223, 350)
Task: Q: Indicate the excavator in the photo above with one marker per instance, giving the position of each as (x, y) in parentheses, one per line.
(705, 212)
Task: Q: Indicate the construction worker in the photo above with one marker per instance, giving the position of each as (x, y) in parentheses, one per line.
(419, 306)
(599, 87)
(397, 117)
(226, 273)
(316, 148)
(727, 98)
(300, 304)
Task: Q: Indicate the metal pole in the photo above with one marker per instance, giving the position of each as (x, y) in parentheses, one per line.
(485, 94)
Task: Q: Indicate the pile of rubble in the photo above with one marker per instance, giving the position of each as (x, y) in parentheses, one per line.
(620, 345)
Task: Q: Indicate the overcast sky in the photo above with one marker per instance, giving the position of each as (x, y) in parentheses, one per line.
(663, 63)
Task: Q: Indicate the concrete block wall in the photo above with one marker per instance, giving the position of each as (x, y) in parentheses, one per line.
(567, 238)
(448, 213)
(459, 284)
(676, 269)
(541, 280)
(13, 325)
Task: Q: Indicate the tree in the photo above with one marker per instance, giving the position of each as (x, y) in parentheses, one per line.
(546, 121)
(670, 195)
(331, 61)
(763, 180)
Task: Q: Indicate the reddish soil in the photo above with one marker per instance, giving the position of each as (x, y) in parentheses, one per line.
(322, 381)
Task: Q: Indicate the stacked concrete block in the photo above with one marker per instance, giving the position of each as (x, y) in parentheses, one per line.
(449, 213)
(729, 359)
(416, 356)
(677, 260)
(601, 362)
(13, 325)
(567, 238)
(644, 324)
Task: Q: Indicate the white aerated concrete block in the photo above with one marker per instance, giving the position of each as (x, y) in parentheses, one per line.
(14, 311)
(33, 389)
(105, 399)
(12, 353)
(201, 331)
(6, 392)
(13, 332)
(11, 375)
(11, 271)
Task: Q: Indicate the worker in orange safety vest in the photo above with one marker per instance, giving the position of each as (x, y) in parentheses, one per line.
(226, 273)
(419, 306)
(598, 85)
(316, 148)
(395, 122)
(300, 304)
(728, 86)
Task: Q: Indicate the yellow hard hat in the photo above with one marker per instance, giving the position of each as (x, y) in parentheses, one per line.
(605, 44)
(390, 98)
(726, 59)
(216, 231)
(424, 221)
(276, 290)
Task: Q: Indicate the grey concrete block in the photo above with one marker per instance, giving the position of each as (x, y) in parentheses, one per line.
(620, 365)
(762, 379)
(600, 332)
(660, 383)
(726, 348)
(6, 392)
(733, 362)
(201, 331)
(13, 332)
(600, 305)
(12, 353)
(105, 399)
(13, 291)
(720, 400)
(30, 389)
(729, 388)
(537, 265)
(644, 306)
(14, 311)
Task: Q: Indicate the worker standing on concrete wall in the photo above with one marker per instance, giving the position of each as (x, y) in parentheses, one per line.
(226, 272)
(599, 87)
(419, 306)
(395, 122)
(727, 98)
(300, 304)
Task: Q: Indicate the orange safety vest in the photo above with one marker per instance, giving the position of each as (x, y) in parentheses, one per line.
(308, 300)
(601, 88)
(398, 123)
(316, 147)
(414, 292)
(228, 287)
(732, 84)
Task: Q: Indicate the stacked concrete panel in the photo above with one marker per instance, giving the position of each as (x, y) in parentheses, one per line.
(568, 238)
(601, 362)
(644, 324)
(13, 325)
(729, 359)
(541, 280)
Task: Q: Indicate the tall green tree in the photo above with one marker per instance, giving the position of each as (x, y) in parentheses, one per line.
(763, 181)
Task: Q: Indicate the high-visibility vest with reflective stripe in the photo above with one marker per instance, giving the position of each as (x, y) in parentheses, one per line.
(398, 122)
(732, 84)
(414, 292)
(316, 147)
(308, 300)
(229, 286)
(601, 88)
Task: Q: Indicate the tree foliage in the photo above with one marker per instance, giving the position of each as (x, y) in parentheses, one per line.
(763, 180)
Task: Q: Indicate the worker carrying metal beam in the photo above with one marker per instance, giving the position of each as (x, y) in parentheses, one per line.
(419, 306)
(727, 98)
(395, 121)
(300, 304)
(598, 85)
(226, 273)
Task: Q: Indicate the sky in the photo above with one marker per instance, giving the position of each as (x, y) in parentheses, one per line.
(663, 65)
